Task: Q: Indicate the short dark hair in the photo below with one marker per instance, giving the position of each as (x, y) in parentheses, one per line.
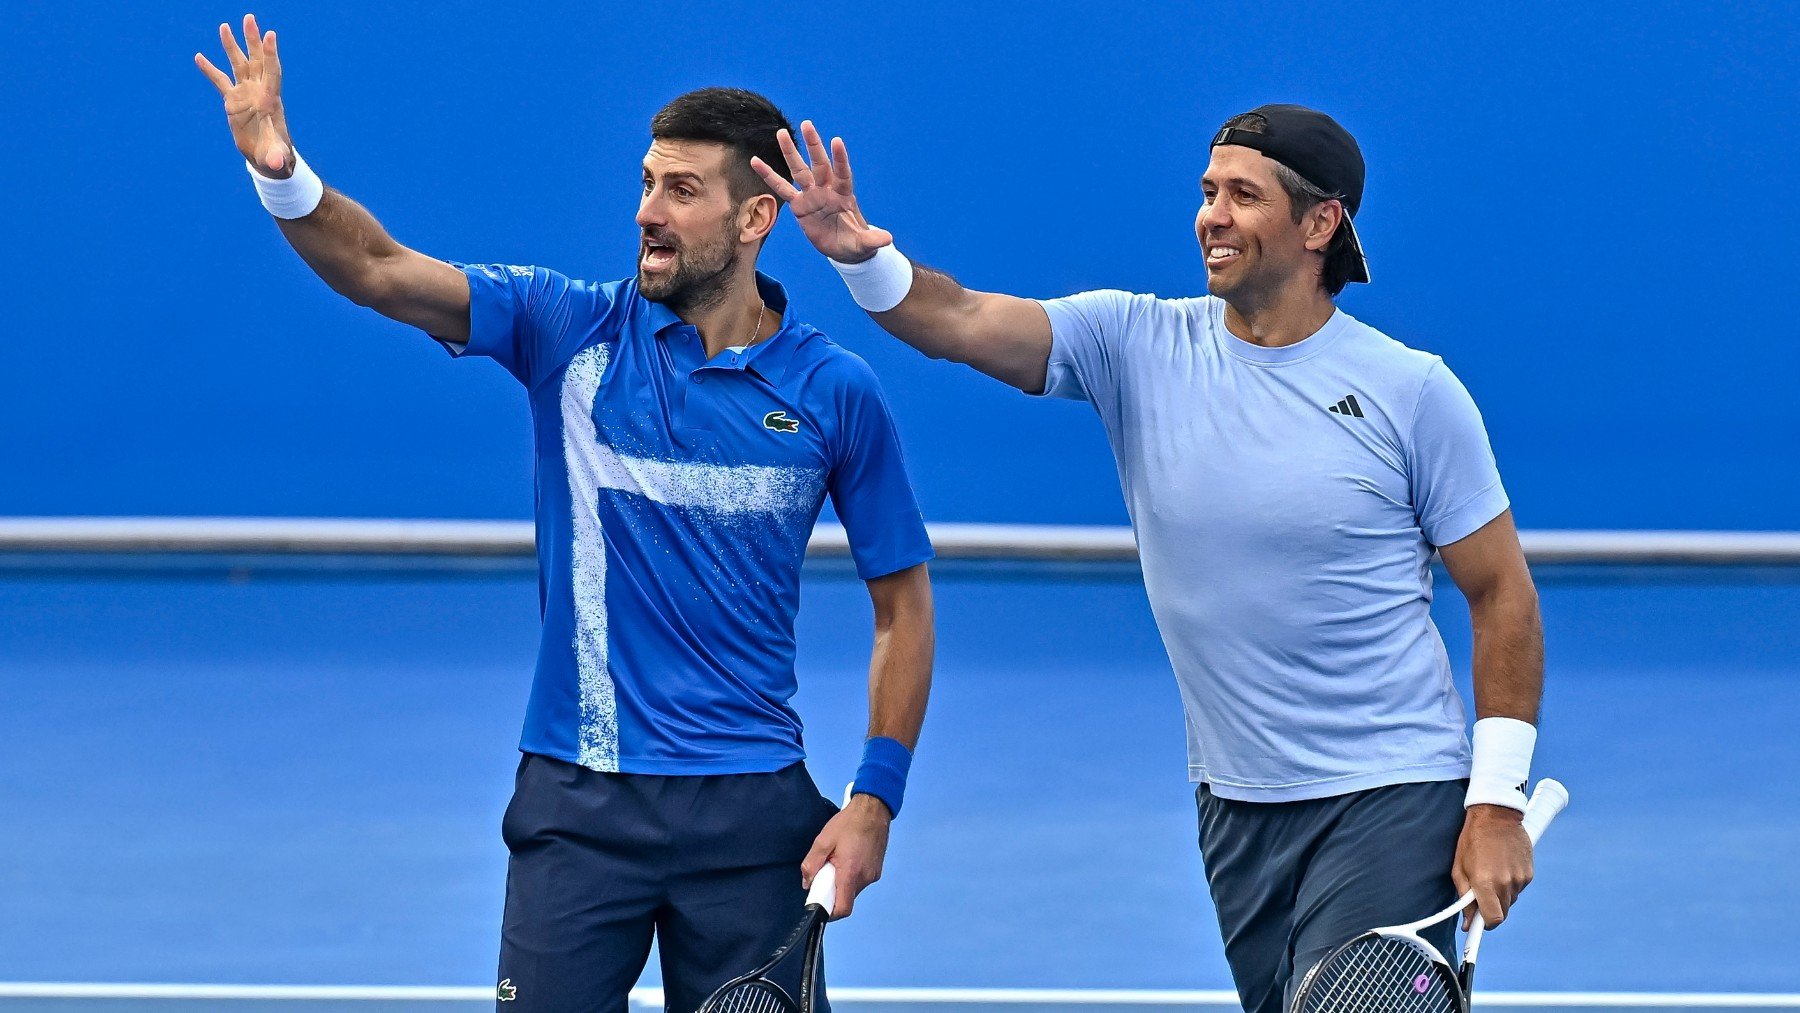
(742, 120)
(1340, 257)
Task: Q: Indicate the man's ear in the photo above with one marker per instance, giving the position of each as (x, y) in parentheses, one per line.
(756, 217)
(1322, 222)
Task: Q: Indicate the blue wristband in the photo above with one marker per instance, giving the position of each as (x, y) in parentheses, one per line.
(882, 774)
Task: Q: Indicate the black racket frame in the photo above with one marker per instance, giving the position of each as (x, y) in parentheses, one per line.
(810, 933)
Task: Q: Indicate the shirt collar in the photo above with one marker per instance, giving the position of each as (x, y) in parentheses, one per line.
(1278, 355)
(768, 359)
(660, 316)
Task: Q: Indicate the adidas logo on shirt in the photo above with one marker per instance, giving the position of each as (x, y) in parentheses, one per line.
(1347, 406)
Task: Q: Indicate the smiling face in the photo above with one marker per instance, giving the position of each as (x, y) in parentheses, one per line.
(693, 231)
(1253, 246)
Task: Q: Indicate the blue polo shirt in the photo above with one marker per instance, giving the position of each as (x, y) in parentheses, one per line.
(675, 497)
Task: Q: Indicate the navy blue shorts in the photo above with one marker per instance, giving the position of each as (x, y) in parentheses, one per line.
(1293, 880)
(602, 863)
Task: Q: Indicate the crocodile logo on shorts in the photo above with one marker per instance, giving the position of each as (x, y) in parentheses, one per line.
(780, 422)
(506, 991)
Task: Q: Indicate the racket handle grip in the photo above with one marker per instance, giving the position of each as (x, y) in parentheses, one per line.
(1549, 799)
(1472, 948)
(824, 889)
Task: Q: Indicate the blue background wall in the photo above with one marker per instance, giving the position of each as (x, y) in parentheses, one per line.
(1588, 211)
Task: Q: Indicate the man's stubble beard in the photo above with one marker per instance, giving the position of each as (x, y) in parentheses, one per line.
(1253, 292)
(700, 279)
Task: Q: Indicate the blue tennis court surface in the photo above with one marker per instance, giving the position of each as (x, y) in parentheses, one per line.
(299, 779)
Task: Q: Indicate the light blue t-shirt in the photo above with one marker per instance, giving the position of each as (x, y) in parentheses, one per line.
(1286, 503)
(675, 497)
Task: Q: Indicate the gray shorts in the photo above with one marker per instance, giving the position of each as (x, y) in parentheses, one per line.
(1292, 880)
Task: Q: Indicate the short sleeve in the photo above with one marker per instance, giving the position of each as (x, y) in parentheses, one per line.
(869, 485)
(1456, 485)
(1087, 334)
(518, 316)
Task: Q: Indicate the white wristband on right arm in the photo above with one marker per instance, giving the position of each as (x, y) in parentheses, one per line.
(879, 283)
(1502, 762)
(293, 197)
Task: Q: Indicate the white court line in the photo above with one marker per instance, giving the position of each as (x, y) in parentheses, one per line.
(967, 996)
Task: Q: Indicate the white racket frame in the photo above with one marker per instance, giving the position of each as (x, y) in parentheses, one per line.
(1548, 800)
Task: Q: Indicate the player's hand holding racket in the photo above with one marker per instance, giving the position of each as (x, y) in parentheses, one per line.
(849, 836)
(855, 843)
(756, 991)
(1393, 969)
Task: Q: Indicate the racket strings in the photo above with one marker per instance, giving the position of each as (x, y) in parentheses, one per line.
(751, 997)
(1379, 975)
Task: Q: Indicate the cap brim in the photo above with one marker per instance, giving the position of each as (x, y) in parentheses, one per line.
(1361, 271)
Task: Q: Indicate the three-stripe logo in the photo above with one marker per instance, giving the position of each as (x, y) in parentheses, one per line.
(1347, 406)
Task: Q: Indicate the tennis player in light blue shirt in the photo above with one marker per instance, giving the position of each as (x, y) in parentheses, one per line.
(1286, 519)
(1290, 472)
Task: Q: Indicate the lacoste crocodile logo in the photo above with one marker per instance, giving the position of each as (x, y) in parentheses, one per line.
(780, 422)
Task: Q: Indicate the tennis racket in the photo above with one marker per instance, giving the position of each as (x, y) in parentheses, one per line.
(756, 992)
(1393, 969)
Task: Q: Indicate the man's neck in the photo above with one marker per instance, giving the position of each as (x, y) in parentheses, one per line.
(1290, 316)
(738, 319)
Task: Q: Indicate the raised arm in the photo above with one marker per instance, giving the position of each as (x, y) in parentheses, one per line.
(1006, 337)
(338, 239)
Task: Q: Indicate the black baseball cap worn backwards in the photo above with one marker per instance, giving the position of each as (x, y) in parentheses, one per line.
(1319, 149)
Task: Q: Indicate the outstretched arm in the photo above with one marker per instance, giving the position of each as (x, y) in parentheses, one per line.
(339, 240)
(1006, 337)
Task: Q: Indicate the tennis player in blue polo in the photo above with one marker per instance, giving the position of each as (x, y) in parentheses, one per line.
(688, 428)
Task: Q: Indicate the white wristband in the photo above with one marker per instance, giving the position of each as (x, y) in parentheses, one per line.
(1502, 763)
(879, 283)
(293, 197)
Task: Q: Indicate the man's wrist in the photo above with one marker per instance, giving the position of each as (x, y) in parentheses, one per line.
(294, 197)
(879, 283)
(1502, 764)
(862, 799)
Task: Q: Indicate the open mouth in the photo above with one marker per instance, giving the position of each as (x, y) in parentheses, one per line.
(656, 256)
(1222, 254)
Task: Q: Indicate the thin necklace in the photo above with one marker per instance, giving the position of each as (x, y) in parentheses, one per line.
(761, 308)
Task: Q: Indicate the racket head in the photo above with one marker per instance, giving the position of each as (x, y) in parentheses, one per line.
(756, 992)
(750, 995)
(1381, 971)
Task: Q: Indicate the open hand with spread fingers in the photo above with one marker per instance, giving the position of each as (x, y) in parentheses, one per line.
(823, 197)
(252, 94)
